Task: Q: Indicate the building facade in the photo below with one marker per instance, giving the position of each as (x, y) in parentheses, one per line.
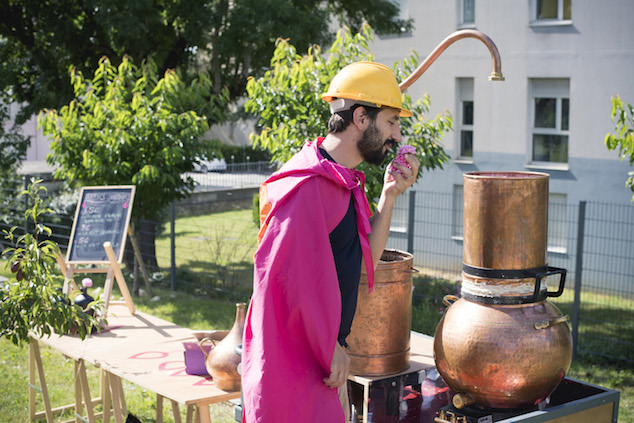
(551, 113)
(562, 61)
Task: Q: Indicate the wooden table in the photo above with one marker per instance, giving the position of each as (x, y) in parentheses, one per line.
(139, 348)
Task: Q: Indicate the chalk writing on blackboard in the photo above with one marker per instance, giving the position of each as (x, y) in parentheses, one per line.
(102, 215)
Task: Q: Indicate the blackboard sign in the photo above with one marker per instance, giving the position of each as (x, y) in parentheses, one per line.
(102, 215)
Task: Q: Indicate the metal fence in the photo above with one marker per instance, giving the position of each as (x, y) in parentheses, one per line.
(237, 175)
(593, 241)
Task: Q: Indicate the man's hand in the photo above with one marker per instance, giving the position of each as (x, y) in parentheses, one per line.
(339, 368)
(396, 183)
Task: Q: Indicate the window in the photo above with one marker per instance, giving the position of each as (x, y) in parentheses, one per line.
(464, 119)
(403, 16)
(553, 11)
(550, 120)
(403, 7)
(457, 212)
(467, 13)
(466, 133)
(557, 223)
(400, 214)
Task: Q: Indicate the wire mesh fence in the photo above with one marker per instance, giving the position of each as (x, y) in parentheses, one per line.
(211, 253)
(593, 241)
(13, 207)
(236, 175)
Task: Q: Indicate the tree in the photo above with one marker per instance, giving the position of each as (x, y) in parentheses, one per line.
(623, 136)
(31, 300)
(288, 101)
(40, 39)
(13, 145)
(126, 126)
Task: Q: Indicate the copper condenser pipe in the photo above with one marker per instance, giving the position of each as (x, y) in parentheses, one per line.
(496, 74)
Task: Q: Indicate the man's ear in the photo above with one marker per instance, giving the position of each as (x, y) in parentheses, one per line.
(360, 118)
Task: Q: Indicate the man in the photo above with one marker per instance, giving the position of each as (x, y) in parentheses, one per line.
(315, 235)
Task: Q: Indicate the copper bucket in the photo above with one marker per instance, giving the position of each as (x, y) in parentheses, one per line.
(379, 338)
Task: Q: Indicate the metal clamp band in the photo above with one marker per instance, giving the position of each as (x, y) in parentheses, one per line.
(538, 273)
(484, 272)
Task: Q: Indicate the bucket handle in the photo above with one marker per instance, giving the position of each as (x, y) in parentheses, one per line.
(448, 300)
(202, 341)
(411, 270)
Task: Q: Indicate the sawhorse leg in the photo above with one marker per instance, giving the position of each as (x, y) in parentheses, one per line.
(35, 364)
(203, 413)
(106, 396)
(116, 395)
(192, 411)
(82, 389)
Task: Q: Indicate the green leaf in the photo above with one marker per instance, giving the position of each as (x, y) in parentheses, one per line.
(290, 111)
(622, 114)
(110, 133)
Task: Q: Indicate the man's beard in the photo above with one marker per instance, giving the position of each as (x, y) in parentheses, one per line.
(371, 145)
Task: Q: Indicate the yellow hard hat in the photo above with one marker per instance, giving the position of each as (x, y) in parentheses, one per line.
(366, 82)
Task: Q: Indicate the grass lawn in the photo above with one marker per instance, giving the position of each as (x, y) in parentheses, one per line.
(204, 313)
(186, 310)
(214, 254)
(212, 251)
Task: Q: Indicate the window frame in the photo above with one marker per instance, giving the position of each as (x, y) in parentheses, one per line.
(548, 88)
(462, 24)
(464, 93)
(465, 127)
(404, 14)
(558, 21)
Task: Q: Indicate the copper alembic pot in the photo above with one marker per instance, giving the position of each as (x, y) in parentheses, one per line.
(503, 344)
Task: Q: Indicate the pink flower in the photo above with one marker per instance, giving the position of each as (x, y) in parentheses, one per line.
(400, 157)
(86, 282)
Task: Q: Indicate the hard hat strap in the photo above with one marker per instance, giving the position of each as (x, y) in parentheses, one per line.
(341, 104)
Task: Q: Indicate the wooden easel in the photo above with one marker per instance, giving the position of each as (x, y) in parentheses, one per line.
(112, 269)
(102, 218)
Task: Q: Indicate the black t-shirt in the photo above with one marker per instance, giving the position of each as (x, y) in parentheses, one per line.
(346, 249)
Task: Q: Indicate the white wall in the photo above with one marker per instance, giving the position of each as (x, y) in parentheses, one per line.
(595, 52)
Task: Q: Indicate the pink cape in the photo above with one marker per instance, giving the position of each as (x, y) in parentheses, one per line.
(294, 315)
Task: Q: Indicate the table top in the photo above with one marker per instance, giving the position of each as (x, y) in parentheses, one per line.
(148, 351)
(144, 350)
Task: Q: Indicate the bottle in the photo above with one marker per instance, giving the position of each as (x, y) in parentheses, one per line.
(84, 299)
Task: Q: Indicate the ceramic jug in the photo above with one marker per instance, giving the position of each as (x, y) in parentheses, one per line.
(222, 361)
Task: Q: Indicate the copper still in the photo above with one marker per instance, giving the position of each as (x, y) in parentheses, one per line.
(503, 344)
(379, 339)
